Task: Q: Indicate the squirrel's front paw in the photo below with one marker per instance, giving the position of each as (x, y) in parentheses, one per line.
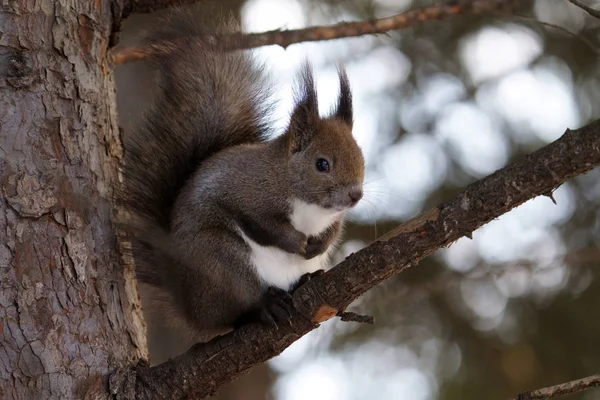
(295, 242)
(315, 247)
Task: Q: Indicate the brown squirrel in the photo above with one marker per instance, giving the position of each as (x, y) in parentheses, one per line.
(227, 221)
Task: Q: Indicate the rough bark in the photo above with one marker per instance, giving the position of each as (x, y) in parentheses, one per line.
(69, 312)
(205, 367)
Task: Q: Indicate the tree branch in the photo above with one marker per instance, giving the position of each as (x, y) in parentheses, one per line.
(345, 29)
(587, 9)
(579, 385)
(205, 367)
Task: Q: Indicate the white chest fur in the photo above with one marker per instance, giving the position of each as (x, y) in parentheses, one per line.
(312, 219)
(281, 269)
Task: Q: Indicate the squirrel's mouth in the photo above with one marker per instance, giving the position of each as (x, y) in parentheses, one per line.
(345, 207)
(347, 198)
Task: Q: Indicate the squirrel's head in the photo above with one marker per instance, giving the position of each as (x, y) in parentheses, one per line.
(325, 164)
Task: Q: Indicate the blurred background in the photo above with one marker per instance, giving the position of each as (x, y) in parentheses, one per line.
(437, 107)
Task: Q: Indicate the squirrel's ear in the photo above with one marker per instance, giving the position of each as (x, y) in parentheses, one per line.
(303, 124)
(344, 105)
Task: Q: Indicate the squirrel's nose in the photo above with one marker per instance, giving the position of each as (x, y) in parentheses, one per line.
(355, 194)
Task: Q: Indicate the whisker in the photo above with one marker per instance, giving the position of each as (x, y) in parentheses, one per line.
(373, 180)
(376, 195)
(317, 191)
(378, 191)
(391, 194)
(371, 214)
(370, 202)
(377, 202)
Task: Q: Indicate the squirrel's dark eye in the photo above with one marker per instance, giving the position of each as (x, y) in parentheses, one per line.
(322, 165)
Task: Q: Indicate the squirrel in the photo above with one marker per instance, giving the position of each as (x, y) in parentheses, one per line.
(226, 220)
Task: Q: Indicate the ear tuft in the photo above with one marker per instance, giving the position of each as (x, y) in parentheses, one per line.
(303, 124)
(344, 106)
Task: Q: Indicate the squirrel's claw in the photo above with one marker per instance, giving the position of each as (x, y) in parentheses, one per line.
(277, 307)
(305, 278)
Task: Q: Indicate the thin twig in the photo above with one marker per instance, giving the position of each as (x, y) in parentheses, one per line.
(571, 387)
(575, 36)
(348, 316)
(587, 9)
(342, 30)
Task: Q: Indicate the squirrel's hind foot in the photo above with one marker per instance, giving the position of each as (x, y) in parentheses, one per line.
(276, 308)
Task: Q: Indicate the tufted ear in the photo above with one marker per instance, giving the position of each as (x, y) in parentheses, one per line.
(303, 124)
(344, 105)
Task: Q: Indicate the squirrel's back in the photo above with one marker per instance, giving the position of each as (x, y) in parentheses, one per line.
(208, 99)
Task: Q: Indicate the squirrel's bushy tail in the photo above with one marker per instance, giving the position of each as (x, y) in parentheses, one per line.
(207, 99)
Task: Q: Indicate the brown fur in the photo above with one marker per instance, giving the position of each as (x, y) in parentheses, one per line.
(200, 170)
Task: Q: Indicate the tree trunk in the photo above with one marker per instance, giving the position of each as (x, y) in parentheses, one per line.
(69, 309)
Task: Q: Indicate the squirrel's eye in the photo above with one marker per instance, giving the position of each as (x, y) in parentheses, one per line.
(322, 165)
